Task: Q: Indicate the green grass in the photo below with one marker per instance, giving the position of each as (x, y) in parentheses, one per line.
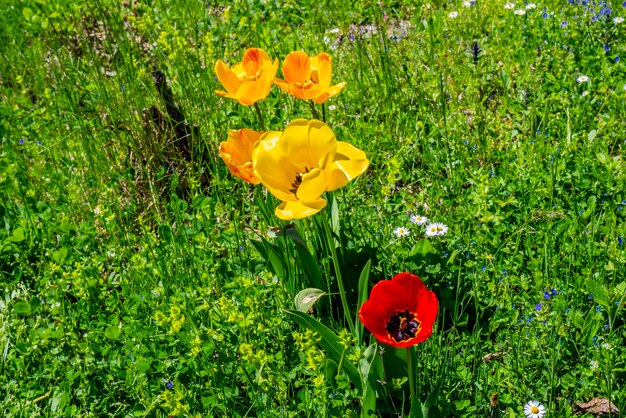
(127, 258)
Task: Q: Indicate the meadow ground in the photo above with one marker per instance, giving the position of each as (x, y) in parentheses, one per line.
(138, 277)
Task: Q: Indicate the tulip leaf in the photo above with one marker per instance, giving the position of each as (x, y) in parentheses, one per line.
(305, 299)
(330, 344)
(309, 265)
(371, 368)
(271, 255)
(363, 293)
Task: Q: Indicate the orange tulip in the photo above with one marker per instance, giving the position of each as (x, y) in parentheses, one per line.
(308, 78)
(250, 80)
(237, 153)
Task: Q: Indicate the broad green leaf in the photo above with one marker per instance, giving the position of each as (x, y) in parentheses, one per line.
(18, 235)
(422, 247)
(270, 254)
(371, 368)
(330, 344)
(363, 294)
(309, 265)
(22, 308)
(112, 332)
(305, 299)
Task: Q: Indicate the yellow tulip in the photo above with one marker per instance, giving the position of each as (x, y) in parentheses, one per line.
(308, 78)
(299, 164)
(250, 80)
(237, 153)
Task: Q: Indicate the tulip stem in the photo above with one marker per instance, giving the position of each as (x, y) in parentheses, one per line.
(409, 367)
(260, 116)
(333, 253)
(314, 110)
(324, 112)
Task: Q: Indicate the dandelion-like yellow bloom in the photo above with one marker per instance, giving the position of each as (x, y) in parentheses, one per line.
(237, 153)
(250, 80)
(308, 78)
(299, 164)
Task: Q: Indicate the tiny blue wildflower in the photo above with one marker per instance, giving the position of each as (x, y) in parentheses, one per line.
(616, 59)
(529, 319)
(504, 272)
(169, 385)
(620, 240)
(606, 326)
(563, 23)
(445, 254)
(484, 268)
(538, 307)
(544, 15)
(598, 308)
(22, 141)
(546, 295)
(590, 296)
(554, 292)
(606, 48)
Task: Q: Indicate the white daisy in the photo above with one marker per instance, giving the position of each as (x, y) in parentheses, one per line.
(530, 6)
(332, 108)
(467, 4)
(618, 19)
(418, 219)
(509, 6)
(533, 409)
(593, 364)
(520, 12)
(441, 228)
(582, 79)
(453, 15)
(401, 232)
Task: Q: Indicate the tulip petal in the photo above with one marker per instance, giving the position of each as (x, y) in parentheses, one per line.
(227, 77)
(312, 186)
(323, 64)
(273, 167)
(253, 60)
(299, 209)
(308, 143)
(350, 162)
(296, 67)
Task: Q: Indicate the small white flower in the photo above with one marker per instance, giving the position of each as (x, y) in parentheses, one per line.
(585, 93)
(533, 409)
(582, 79)
(618, 19)
(509, 6)
(441, 229)
(431, 230)
(332, 107)
(606, 346)
(453, 15)
(467, 4)
(593, 364)
(520, 12)
(418, 219)
(401, 232)
(531, 6)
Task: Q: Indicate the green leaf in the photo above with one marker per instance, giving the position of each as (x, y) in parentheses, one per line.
(112, 332)
(309, 265)
(371, 368)
(22, 308)
(18, 235)
(305, 299)
(423, 247)
(330, 344)
(363, 294)
(270, 254)
(27, 12)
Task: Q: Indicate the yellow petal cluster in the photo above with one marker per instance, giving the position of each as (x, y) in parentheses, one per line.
(308, 78)
(236, 152)
(250, 80)
(299, 164)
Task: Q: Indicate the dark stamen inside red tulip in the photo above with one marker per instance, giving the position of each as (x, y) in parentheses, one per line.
(402, 326)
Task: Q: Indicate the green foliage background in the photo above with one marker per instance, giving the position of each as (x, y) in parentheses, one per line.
(128, 283)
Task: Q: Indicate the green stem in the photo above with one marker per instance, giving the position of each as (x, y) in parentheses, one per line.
(333, 253)
(314, 110)
(324, 112)
(260, 116)
(409, 366)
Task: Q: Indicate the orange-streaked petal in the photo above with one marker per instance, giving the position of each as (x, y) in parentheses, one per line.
(253, 60)
(349, 162)
(296, 67)
(299, 209)
(324, 66)
(227, 77)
